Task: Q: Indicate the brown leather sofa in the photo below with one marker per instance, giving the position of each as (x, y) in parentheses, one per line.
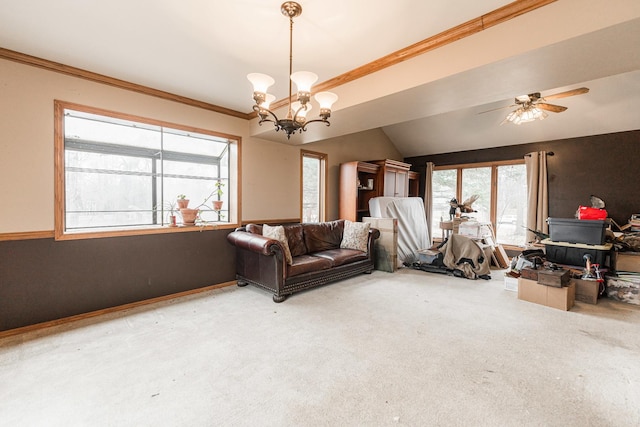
(317, 258)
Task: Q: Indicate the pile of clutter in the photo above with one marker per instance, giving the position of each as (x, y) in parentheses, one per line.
(597, 259)
(535, 259)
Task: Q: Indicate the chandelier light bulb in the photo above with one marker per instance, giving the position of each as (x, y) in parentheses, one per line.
(304, 80)
(268, 99)
(326, 99)
(301, 115)
(260, 82)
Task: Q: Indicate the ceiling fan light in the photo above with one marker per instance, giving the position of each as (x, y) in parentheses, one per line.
(538, 114)
(527, 116)
(513, 116)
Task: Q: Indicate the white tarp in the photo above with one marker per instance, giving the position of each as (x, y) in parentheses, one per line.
(378, 206)
(413, 234)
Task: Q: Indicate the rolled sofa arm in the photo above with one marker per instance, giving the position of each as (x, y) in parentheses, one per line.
(253, 242)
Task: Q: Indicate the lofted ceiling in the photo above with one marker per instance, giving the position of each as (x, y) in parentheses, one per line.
(434, 103)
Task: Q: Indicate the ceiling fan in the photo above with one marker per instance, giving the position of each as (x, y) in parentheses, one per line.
(533, 106)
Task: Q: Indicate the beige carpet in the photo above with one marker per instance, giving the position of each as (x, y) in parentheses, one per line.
(404, 349)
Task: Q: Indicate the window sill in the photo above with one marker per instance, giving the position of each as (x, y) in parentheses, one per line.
(102, 233)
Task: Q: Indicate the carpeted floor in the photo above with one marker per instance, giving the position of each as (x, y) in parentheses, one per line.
(403, 349)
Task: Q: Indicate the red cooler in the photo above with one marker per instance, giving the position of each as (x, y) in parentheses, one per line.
(586, 212)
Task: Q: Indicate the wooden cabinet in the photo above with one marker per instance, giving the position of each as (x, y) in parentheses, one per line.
(361, 181)
(395, 178)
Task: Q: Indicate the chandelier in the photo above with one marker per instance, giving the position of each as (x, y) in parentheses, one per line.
(296, 115)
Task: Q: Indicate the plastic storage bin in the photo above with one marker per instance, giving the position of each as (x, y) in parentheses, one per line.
(588, 232)
(573, 254)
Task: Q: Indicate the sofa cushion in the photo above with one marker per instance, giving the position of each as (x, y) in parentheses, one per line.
(323, 236)
(254, 229)
(355, 236)
(342, 256)
(295, 237)
(307, 264)
(278, 233)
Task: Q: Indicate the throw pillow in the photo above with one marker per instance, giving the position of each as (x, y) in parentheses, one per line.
(278, 234)
(355, 235)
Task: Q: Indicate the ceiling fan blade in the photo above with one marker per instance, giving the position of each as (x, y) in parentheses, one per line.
(551, 107)
(572, 92)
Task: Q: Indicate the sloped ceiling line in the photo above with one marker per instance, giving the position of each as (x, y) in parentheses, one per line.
(451, 35)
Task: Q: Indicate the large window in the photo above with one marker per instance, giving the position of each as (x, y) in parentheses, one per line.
(444, 184)
(313, 186)
(501, 188)
(118, 172)
(477, 182)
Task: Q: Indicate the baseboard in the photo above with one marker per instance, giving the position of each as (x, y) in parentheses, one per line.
(71, 319)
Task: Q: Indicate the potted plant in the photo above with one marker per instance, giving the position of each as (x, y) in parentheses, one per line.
(192, 216)
(170, 207)
(182, 201)
(217, 204)
(189, 216)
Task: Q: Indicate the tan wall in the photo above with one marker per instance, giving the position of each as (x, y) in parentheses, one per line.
(270, 171)
(367, 145)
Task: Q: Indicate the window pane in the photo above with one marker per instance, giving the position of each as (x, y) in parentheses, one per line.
(444, 184)
(108, 130)
(311, 189)
(90, 202)
(511, 205)
(120, 173)
(191, 142)
(477, 181)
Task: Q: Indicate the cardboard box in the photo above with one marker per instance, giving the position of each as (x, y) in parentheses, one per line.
(386, 257)
(560, 298)
(625, 289)
(587, 290)
(628, 261)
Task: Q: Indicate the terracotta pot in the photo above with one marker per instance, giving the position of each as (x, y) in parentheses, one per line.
(189, 216)
(217, 205)
(183, 203)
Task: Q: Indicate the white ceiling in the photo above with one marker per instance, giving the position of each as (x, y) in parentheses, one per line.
(203, 49)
